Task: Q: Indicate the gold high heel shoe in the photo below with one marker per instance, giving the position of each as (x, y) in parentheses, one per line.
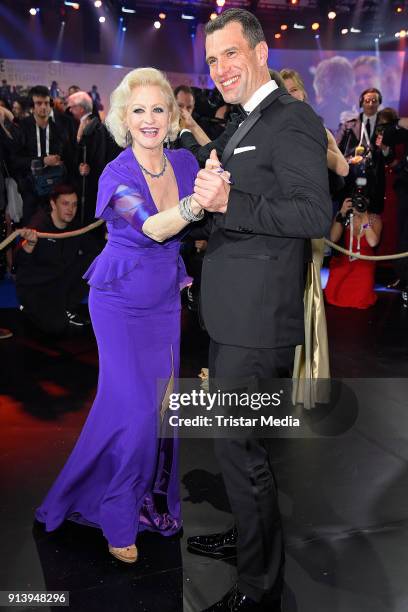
(127, 554)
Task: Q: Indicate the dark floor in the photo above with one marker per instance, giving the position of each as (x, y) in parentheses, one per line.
(344, 500)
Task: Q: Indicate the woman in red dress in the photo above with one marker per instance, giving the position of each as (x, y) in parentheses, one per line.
(351, 281)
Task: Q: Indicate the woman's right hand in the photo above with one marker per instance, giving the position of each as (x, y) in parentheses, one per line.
(347, 204)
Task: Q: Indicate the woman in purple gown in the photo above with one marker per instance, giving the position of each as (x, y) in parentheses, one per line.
(121, 476)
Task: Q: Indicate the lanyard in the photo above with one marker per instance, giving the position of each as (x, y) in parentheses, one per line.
(47, 140)
(364, 134)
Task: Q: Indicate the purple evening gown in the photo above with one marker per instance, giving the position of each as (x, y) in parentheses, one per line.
(121, 476)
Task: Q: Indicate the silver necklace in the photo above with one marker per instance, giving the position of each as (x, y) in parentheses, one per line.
(163, 170)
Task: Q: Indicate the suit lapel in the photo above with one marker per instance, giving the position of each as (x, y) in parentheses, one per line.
(249, 123)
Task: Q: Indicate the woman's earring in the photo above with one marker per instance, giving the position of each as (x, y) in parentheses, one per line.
(128, 138)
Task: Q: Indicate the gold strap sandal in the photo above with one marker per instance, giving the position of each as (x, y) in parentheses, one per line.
(128, 554)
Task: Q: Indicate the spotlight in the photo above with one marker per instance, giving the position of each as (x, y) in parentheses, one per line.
(298, 26)
(187, 17)
(213, 16)
(284, 27)
(220, 3)
(74, 5)
(315, 26)
(399, 9)
(33, 11)
(162, 15)
(317, 36)
(157, 25)
(293, 1)
(403, 33)
(332, 15)
(355, 31)
(344, 31)
(124, 29)
(278, 35)
(102, 19)
(98, 3)
(397, 34)
(128, 10)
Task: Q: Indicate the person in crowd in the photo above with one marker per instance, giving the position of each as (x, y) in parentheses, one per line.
(351, 281)
(253, 315)
(362, 131)
(185, 99)
(54, 90)
(396, 135)
(45, 142)
(7, 142)
(73, 89)
(313, 356)
(121, 476)
(96, 98)
(20, 109)
(49, 271)
(5, 92)
(295, 86)
(333, 84)
(94, 149)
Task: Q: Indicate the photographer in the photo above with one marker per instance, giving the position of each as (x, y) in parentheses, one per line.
(351, 281)
(394, 135)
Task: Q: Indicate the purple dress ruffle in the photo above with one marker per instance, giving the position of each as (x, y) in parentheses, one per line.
(121, 475)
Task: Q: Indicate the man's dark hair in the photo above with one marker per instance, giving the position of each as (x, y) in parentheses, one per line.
(185, 89)
(251, 27)
(63, 189)
(40, 91)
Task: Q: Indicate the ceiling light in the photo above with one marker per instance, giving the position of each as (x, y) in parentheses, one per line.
(157, 25)
(284, 27)
(128, 10)
(102, 19)
(220, 3)
(213, 16)
(355, 31)
(187, 17)
(98, 3)
(298, 26)
(278, 35)
(332, 15)
(162, 15)
(315, 26)
(344, 31)
(33, 11)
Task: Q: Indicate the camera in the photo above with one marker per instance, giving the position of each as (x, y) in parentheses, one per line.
(359, 197)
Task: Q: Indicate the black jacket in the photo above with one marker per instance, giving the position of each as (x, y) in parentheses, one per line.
(253, 271)
(51, 257)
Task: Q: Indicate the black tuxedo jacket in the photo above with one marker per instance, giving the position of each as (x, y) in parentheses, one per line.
(253, 272)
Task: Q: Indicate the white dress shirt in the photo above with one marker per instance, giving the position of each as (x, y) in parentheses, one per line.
(259, 95)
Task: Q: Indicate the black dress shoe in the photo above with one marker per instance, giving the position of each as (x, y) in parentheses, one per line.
(236, 601)
(216, 545)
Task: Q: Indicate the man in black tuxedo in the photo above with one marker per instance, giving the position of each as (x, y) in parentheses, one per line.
(253, 279)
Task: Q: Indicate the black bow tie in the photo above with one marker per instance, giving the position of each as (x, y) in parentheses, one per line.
(240, 113)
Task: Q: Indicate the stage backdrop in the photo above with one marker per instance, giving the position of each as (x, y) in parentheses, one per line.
(334, 80)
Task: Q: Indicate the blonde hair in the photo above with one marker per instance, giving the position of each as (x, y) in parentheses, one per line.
(289, 73)
(119, 100)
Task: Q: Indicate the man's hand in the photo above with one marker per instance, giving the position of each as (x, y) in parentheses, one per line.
(186, 120)
(211, 188)
(30, 239)
(200, 245)
(52, 160)
(84, 169)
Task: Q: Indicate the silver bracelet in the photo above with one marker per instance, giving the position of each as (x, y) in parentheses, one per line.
(185, 210)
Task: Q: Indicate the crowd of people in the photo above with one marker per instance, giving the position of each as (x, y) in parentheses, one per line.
(252, 185)
(48, 141)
